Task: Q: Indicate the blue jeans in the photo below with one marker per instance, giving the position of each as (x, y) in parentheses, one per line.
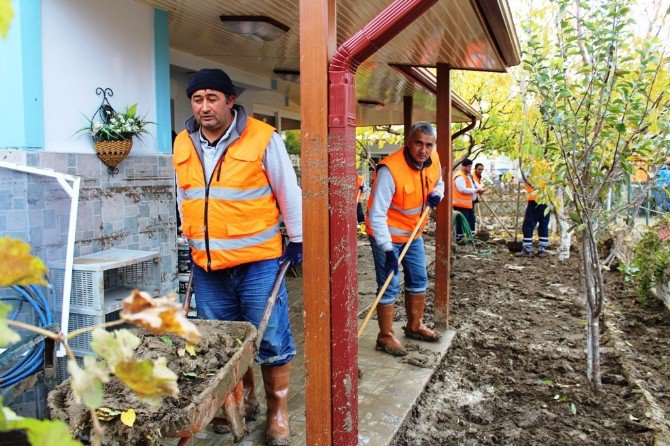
(241, 294)
(469, 215)
(413, 266)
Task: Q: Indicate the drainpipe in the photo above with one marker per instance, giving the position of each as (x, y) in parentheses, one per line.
(342, 152)
(465, 129)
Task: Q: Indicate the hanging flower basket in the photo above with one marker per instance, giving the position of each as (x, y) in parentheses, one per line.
(113, 152)
(113, 132)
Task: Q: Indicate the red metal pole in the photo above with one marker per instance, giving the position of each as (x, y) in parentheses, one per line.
(342, 198)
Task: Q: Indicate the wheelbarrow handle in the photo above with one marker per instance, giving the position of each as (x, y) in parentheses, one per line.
(283, 268)
(186, 305)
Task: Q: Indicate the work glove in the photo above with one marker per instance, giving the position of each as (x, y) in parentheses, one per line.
(391, 264)
(293, 253)
(433, 199)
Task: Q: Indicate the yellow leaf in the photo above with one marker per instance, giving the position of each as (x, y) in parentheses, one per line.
(6, 15)
(150, 381)
(114, 346)
(87, 382)
(128, 417)
(161, 315)
(17, 266)
(190, 349)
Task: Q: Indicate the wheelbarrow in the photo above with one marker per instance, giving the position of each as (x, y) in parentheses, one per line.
(225, 389)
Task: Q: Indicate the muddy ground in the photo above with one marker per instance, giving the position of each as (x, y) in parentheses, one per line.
(195, 379)
(515, 372)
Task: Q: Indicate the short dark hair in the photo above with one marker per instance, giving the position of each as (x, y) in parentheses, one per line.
(478, 164)
(423, 127)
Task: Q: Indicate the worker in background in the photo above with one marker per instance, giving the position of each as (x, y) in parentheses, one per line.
(405, 182)
(478, 181)
(536, 215)
(360, 190)
(234, 180)
(464, 193)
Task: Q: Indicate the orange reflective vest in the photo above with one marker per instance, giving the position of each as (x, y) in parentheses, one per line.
(412, 187)
(234, 219)
(529, 190)
(359, 193)
(460, 199)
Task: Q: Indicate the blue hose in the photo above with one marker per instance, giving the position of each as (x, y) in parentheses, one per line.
(31, 361)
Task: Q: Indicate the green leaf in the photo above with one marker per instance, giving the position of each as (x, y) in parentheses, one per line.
(190, 374)
(46, 432)
(7, 335)
(547, 382)
(573, 409)
(166, 340)
(132, 111)
(87, 382)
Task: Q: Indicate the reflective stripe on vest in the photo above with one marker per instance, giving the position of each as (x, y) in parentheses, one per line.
(459, 198)
(409, 200)
(234, 219)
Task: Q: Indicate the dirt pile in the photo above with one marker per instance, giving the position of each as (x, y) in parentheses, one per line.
(515, 373)
(195, 374)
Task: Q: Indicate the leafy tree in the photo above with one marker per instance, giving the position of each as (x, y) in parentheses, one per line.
(596, 85)
(292, 141)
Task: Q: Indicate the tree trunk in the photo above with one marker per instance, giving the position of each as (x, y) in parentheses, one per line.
(563, 225)
(589, 262)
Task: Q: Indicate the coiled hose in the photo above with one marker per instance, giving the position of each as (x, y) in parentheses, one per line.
(32, 360)
(483, 249)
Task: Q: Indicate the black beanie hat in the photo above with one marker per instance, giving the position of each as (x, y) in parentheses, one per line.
(212, 79)
(467, 162)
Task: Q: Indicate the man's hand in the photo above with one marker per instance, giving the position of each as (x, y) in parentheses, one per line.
(391, 263)
(293, 253)
(433, 199)
(481, 190)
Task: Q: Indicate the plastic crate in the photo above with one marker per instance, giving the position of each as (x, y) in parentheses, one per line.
(61, 368)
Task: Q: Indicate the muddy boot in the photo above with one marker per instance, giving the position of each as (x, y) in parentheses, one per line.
(251, 404)
(415, 305)
(386, 341)
(277, 381)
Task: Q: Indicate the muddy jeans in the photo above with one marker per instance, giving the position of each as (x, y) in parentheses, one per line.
(413, 267)
(241, 294)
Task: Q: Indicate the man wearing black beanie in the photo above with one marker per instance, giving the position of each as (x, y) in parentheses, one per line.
(234, 181)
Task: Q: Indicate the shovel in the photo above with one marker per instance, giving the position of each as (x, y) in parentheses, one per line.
(391, 274)
(516, 245)
(496, 216)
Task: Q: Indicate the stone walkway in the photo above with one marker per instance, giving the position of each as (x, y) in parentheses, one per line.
(388, 389)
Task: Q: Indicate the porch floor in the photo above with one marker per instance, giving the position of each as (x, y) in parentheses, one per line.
(388, 389)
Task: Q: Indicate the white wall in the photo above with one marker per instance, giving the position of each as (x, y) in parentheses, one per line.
(95, 43)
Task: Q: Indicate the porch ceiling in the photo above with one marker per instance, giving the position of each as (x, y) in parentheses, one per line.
(465, 34)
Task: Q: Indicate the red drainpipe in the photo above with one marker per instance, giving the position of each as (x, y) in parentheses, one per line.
(342, 189)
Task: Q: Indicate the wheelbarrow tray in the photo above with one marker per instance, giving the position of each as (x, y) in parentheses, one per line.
(202, 410)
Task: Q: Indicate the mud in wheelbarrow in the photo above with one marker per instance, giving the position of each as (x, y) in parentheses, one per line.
(216, 385)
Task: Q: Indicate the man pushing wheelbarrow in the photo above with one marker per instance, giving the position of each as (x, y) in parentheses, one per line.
(234, 180)
(407, 183)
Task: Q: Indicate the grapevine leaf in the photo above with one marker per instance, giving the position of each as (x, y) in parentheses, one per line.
(149, 380)
(161, 315)
(44, 432)
(17, 266)
(128, 417)
(7, 335)
(190, 374)
(166, 340)
(114, 347)
(87, 382)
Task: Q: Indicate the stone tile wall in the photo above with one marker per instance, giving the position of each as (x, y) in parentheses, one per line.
(134, 209)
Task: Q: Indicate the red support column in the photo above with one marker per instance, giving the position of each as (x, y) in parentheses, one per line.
(344, 258)
(443, 214)
(317, 37)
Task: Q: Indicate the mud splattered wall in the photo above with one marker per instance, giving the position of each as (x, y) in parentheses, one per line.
(134, 209)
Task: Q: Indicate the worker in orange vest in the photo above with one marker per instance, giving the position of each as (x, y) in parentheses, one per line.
(536, 215)
(464, 193)
(234, 180)
(405, 182)
(478, 181)
(360, 189)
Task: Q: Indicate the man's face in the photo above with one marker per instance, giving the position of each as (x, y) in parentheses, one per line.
(467, 168)
(479, 170)
(212, 110)
(420, 146)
